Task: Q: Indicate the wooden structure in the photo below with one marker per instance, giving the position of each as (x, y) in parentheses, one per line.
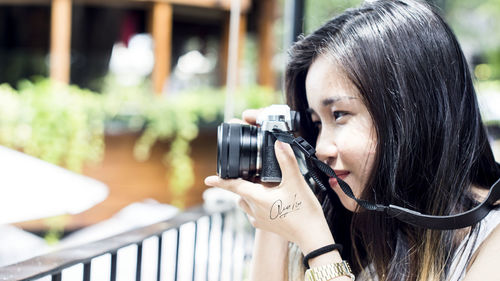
(60, 40)
(160, 21)
(124, 190)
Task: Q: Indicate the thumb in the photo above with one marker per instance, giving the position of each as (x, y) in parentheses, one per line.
(250, 115)
(286, 159)
(239, 186)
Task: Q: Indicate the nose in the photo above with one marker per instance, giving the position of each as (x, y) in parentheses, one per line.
(326, 148)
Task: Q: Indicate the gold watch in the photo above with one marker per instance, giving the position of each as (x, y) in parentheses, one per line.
(329, 271)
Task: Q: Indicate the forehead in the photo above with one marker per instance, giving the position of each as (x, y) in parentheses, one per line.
(326, 80)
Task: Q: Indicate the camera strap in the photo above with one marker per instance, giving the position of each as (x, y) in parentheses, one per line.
(415, 218)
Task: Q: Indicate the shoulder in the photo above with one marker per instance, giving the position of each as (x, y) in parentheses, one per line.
(484, 265)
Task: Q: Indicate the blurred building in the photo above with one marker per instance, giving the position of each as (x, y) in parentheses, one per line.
(73, 40)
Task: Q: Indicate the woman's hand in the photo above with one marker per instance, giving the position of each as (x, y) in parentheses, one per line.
(289, 209)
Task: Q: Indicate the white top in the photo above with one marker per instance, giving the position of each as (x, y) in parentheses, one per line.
(460, 261)
(457, 269)
(466, 249)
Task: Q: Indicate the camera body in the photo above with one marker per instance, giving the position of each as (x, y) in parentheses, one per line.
(246, 151)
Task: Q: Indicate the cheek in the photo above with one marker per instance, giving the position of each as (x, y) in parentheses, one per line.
(368, 152)
(359, 153)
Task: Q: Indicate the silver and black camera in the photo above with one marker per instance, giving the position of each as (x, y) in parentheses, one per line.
(246, 151)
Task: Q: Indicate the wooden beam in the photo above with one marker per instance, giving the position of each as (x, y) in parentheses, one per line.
(265, 73)
(212, 4)
(25, 2)
(60, 41)
(162, 35)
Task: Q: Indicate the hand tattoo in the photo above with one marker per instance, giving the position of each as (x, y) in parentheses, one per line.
(280, 210)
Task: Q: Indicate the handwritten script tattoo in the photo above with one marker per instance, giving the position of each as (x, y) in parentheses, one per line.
(281, 210)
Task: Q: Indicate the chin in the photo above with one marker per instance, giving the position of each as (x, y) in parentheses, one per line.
(347, 202)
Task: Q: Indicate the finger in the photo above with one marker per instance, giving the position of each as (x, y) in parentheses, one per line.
(248, 211)
(250, 115)
(239, 186)
(286, 159)
(252, 221)
(237, 121)
(245, 206)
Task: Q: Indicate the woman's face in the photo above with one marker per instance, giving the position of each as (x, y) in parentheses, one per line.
(347, 139)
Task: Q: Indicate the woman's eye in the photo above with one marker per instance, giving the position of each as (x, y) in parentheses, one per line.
(339, 114)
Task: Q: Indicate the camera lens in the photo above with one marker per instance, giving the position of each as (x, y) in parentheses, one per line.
(237, 151)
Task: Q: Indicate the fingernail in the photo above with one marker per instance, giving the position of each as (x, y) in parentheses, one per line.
(280, 145)
(211, 180)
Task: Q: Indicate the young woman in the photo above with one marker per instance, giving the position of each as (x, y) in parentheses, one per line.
(387, 97)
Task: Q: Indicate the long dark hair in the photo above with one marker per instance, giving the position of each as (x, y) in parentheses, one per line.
(432, 146)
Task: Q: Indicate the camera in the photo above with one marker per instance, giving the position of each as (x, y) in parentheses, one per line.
(246, 151)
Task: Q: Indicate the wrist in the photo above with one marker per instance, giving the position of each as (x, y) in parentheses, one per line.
(321, 238)
(315, 242)
(269, 257)
(271, 238)
(327, 258)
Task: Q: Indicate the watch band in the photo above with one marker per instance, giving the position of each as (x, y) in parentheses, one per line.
(329, 271)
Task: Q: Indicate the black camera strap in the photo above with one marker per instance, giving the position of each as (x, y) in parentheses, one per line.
(461, 220)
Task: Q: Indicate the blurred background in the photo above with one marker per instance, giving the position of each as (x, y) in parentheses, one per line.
(130, 92)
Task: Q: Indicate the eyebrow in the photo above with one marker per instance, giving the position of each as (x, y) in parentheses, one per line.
(331, 100)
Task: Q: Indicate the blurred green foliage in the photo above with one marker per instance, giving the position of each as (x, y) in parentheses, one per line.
(489, 101)
(318, 12)
(61, 124)
(475, 22)
(65, 125)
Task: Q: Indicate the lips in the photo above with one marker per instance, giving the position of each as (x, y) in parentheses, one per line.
(341, 174)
